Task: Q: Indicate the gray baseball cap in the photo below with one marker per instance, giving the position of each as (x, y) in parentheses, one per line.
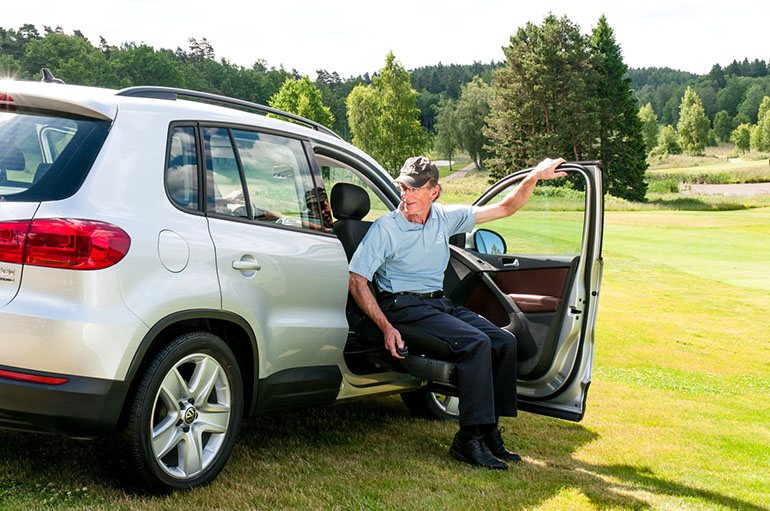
(417, 171)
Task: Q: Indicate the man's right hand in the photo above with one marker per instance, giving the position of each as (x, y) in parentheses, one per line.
(392, 341)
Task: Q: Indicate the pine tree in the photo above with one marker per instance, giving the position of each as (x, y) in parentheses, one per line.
(544, 104)
(621, 142)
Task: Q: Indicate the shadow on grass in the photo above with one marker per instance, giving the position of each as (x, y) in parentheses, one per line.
(362, 455)
(695, 204)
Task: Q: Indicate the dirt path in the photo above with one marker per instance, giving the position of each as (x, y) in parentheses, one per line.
(735, 189)
(462, 172)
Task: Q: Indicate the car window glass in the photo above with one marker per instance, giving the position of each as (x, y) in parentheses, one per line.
(550, 223)
(278, 179)
(224, 190)
(45, 157)
(334, 171)
(182, 168)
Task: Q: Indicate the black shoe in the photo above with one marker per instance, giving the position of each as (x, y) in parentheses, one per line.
(494, 441)
(475, 452)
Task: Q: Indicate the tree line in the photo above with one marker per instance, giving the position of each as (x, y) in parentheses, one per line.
(557, 92)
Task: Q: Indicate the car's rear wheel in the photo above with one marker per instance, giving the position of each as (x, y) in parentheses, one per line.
(185, 415)
(432, 405)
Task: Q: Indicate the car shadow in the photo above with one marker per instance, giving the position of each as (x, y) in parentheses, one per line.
(378, 435)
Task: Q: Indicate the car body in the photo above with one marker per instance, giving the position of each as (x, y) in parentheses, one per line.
(168, 267)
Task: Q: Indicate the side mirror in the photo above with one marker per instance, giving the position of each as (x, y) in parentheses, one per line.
(489, 242)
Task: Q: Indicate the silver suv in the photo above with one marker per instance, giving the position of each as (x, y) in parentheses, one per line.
(169, 267)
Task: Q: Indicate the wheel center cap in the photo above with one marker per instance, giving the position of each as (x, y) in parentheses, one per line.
(190, 414)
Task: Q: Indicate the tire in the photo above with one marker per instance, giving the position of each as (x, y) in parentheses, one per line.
(185, 415)
(431, 405)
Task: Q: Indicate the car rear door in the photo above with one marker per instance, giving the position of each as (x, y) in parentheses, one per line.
(542, 284)
(278, 266)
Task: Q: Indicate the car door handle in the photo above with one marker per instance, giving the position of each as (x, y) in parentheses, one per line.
(507, 261)
(242, 265)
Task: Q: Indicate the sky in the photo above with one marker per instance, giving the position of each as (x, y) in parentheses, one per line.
(353, 37)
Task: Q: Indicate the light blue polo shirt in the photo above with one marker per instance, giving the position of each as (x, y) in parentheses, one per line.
(406, 256)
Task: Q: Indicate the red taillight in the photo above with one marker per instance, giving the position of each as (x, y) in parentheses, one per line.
(6, 102)
(12, 238)
(63, 243)
(32, 378)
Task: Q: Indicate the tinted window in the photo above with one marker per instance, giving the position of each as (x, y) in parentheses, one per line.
(266, 177)
(224, 186)
(182, 169)
(46, 157)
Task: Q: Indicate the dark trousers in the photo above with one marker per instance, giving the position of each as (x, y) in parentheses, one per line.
(484, 354)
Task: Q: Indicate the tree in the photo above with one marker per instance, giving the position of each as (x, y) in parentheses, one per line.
(693, 124)
(73, 59)
(669, 140)
(447, 139)
(544, 103)
(622, 148)
(723, 127)
(755, 139)
(303, 98)
(383, 117)
(649, 126)
(751, 100)
(742, 137)
(472, 112)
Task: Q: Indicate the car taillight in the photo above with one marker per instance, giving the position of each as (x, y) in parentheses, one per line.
(6, 103)
(12, 238)
(63, 243)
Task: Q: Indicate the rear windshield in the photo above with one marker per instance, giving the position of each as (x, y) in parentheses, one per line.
(46, 156)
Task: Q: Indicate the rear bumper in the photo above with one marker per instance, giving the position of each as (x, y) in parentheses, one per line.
(81, 407)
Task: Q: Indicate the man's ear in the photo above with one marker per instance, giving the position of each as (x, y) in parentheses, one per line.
(434, 192)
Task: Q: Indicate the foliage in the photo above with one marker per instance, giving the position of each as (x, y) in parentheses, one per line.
(444, 81)
(303, 98)
(545, 102)
(669, 141)
(447, 140)
(742, 137)
(649, 126)
(722, 126)
(622, 147)
(472, 112)
(693, 124)
(383, 117)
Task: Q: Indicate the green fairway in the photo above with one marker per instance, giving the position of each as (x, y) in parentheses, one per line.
(678, 415)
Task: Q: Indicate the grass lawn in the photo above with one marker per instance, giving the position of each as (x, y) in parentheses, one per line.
(678, 413)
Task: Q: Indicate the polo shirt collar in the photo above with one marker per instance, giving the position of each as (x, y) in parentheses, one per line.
(405, 225)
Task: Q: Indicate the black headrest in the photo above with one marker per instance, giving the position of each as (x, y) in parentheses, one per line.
(349, 201)
(11, 157)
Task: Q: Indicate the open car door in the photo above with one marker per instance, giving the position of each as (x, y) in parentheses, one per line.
(538, 275)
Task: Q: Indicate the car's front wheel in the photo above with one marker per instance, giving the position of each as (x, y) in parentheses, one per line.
(185, 415)
(432, 405)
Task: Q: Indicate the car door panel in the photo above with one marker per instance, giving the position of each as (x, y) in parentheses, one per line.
(547, 300)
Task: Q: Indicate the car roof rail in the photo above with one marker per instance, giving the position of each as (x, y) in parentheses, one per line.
(171, 93)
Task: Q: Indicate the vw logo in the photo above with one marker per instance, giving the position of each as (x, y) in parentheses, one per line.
(190, 415)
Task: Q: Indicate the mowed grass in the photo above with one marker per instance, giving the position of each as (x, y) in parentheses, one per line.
(678, 414)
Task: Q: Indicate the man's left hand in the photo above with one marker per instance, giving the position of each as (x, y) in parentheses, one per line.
(546, 169)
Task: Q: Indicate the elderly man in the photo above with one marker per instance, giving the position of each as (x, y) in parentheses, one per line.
(406, 253)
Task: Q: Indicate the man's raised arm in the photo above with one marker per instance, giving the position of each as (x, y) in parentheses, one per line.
(519, 196)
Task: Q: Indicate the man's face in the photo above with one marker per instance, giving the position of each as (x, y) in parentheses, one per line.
(417, 201)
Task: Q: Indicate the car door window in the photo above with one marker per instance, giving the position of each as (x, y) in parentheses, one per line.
(224, 187)
(334, 171)
(278, 179)
(550, 223)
